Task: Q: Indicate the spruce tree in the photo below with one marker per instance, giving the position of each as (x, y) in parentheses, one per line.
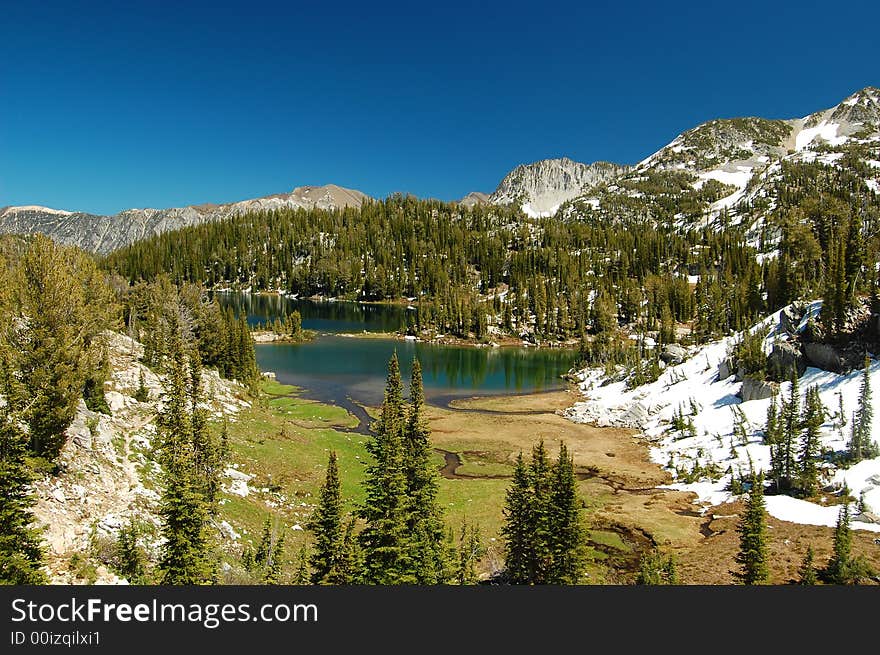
(470, 550)
(807, 570)
(185, 553)
(424, 522)
(814, 416)
(326, 524)
(837, 571)
(540, 474)
(21, 554)
(657, 569)
(384, 538)
(142, 394)
(517, 531)
(752, 556)
(567, 536)
(862, 444)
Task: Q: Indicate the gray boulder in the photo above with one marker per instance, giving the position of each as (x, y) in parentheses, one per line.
(755, 390)
(784, 357)
(673, 354)
(725, 368)
(824, 356)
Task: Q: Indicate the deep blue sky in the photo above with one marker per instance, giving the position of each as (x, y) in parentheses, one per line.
(169, 104)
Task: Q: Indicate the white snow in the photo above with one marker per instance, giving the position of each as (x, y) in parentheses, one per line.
(693, 388)
(824, 130)
(532, 212)
(874, 185)
(38, 208)
(738, 178)
(794, 510)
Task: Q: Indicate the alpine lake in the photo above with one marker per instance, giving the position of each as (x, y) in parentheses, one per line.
(347, 360)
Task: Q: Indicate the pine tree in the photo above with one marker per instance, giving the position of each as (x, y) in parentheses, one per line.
(301, 576)
(783, 460)
(771, 428)
(349, 566)
(142, 394)
(840, 567)
(424, 522)
(861, 443)
(540, 473)
(208, 457)
(470, 550)
(518, 522)
(752, 556)
(185, 553)
(542, 532)
(130, 556)
(384, 538)
(276, 562)
(657, 569)
(21, 554)
(326, 524)
(814, 416)
(807, 569)
(567, 537)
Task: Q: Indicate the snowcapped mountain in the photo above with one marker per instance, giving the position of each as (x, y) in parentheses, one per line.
(735, 170)
(102, 234)
(542, 187)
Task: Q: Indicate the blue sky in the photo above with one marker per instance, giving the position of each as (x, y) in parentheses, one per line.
(168, 104)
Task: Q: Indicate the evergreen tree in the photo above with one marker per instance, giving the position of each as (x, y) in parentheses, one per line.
(862, 444)
(542, 532)
(384, 538)
(21, 554)
(807, 569)
(814, 416)
(326, 524)
(301, 577)
(840, 567)
(130, 556)
(142, 394)
(518, 523)
(657, 569)
(752, 556)
(470, 550)
(424, 522)
(185, 553)
(567, 537)
(540, 474)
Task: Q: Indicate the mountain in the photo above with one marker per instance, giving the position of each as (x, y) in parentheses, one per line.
(732, 171)
(474, 198)
(740, 171)
(102, 234)
(540, 188)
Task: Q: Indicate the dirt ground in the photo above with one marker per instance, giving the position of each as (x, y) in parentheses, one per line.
(619, 486)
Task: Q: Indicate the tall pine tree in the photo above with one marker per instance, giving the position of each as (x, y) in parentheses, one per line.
(752, 556)
(384, 538)
(326, 524)
(185, 553)
(424, 516)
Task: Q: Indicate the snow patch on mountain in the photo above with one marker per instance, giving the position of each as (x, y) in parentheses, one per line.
(713, 405)
(824, 130)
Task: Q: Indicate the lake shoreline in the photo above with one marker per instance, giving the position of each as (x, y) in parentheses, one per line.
(495, 341)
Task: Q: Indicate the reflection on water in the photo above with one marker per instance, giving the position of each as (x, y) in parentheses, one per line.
(322, 316)
(333, 368)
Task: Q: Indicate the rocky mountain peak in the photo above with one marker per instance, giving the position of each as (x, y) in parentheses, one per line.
(541, 187)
